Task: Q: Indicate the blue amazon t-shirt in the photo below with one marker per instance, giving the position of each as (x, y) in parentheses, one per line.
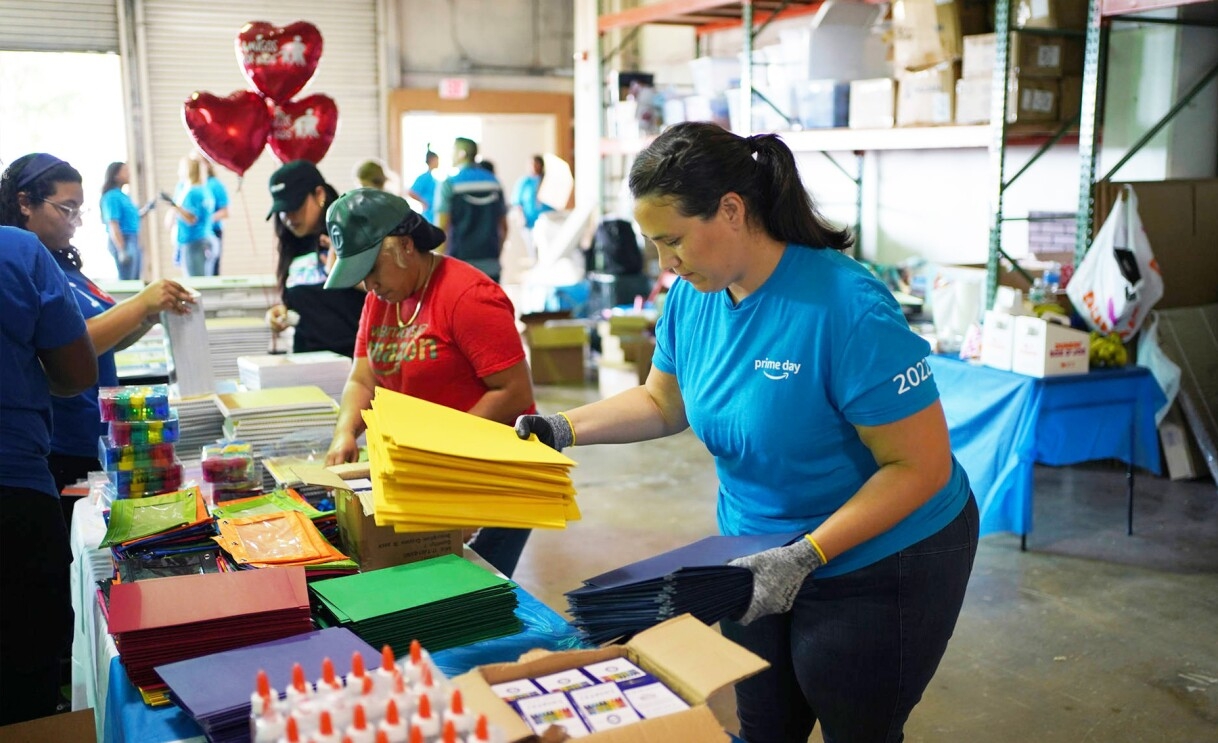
(774, 385)
(116, 206)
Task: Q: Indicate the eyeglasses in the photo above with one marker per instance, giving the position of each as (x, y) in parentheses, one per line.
(73, 213)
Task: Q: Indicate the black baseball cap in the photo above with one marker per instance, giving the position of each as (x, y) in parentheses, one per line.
(291, 184)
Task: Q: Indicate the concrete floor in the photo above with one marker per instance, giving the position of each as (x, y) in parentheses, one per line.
(1090, 635)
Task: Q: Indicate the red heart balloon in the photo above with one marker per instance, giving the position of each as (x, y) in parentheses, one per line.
(278, 61)
(304, 129)
(231, 131)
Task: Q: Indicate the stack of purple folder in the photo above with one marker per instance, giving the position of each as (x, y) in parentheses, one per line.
(215, 689)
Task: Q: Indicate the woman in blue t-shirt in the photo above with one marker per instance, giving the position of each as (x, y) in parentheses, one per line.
(194, 206)
(798, 371)
(48, 203)
(122, 220)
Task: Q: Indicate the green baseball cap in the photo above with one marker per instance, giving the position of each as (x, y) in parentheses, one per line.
(356, 224)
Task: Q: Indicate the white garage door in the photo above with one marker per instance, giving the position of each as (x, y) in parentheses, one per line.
(59, 26)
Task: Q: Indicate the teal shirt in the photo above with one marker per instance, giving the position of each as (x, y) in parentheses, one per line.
(775, 385)
(117, 206)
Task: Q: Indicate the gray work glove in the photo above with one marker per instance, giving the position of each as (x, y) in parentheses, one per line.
(552, 430)
(777, 576)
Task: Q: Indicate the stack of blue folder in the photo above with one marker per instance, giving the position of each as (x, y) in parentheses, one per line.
(694, 579)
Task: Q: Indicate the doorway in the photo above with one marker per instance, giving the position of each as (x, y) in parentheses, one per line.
(69, 104)
(508, 140)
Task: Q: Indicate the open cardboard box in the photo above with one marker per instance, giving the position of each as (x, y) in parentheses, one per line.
(692, 659)
(374, 547)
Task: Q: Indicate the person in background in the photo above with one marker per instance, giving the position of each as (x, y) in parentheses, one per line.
(423, 190)
(418, 299)
(43, 194)
(122, 220)
(219, 195)
(471, 210)
(323, 321)
(834, 433)
(371, 174)
(193, 208)
(44, 351)
(525, 198)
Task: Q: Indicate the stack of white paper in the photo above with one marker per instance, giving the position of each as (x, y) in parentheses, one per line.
(200, 423)
(324, 369)
(231, 337)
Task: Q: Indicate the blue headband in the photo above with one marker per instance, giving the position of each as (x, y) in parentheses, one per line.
(39, 164)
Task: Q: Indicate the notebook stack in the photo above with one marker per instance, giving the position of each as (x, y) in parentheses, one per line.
(443, 602)
(694, 579)
(155, 622)
(222, 708)
(229, 338)
(262, 418)
(324, 369)
(202, 423)
(436, 468)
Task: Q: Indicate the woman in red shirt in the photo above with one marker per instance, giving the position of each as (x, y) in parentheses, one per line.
(433, 327)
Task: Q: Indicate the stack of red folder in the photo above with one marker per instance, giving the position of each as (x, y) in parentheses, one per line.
(160, 621)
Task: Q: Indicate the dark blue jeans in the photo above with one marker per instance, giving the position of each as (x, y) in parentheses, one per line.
(857, 650)
(501, 547)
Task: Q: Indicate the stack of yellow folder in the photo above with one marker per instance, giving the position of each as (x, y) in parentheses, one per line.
(437, 468)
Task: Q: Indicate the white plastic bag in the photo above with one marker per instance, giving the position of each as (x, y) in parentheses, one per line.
(1164, 370)
(1118, 281)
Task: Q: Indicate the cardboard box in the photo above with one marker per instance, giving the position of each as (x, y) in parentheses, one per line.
(1031, 56)
(927, 96)
(823, 104)
(373, 547)
(693, 660)
(1180, 453)
(1064, 14)
(556, 352)
(873, 103)
(1045, 349)
(1069, 103)
(927, 32)
(998, 340)
(1032, 99)
(70, 727)
(1182, 224)
(974, 100)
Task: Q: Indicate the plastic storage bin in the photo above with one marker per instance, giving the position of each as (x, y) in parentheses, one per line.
(115, 456)
(138, 483)
(124, 433)
(136, 403)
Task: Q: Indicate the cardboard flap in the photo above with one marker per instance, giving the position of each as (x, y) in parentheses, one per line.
(316, 474)
(701, 659)
(698, 724)
(478, 695)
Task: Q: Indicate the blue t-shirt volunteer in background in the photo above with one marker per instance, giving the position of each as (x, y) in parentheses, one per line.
(425, 186)
(791, 473)
(116, 206)
(199, 201)
(39, 314)
(526, 198)
(78, 419)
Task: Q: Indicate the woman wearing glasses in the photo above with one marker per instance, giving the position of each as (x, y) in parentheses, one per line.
(43, 194)
(434, 328)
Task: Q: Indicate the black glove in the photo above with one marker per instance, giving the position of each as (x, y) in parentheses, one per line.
(552, 430)
(778, 575)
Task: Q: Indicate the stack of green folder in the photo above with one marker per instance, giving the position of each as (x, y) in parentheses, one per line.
(443, 603)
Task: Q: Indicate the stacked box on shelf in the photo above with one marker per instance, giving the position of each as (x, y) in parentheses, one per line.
(138, 454)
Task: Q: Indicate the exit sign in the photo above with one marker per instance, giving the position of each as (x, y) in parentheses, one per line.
(454, 88)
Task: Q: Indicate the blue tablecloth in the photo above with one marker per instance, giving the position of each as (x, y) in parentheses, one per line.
(129, 719)
(1003, 423)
